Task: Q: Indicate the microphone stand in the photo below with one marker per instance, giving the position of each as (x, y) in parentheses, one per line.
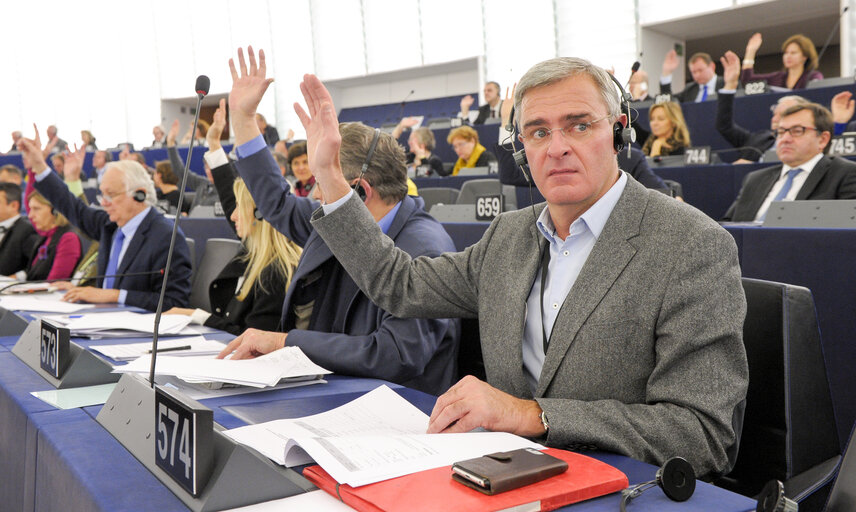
(159, 310)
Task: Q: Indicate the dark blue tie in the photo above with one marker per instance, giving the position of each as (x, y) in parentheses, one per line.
(113, 264)
(704, 92)
(789, 182)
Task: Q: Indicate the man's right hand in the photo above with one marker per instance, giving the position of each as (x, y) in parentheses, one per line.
(32, 152)
(253, 343)
(731, 69)
(74, 163)
(172, 134)
(466, 103)
(842, 107)
(670, 63)
(248, 88)
(507, 105)
(217, 127)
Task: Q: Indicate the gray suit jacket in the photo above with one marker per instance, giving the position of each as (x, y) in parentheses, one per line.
(646, 356)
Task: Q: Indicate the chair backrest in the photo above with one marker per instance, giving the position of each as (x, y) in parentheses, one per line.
(842, 498)
(472, 189)
(453, 212)
(218, 253)
(191, 248)
(203, 211)
(438, 195)
(789, 426)
(474, 171)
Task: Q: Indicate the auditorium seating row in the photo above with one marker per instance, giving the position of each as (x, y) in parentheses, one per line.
(391, 113)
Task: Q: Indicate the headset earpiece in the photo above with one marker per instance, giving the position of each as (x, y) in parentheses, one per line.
(358, 189)
(139, 196)
(676, 477)
(361, 192)
(518, 155)
(623, 137)
(257, 214)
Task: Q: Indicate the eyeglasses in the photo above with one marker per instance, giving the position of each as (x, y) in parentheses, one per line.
(795, 131)
(538, 136)
(109, 199)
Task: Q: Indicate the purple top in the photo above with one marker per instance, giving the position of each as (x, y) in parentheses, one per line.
(780, 78)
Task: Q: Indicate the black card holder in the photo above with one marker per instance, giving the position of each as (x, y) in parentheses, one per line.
(500, 472)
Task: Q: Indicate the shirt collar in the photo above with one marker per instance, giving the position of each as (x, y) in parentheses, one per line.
(807, 167)
(593, 219)
(10, 221)
(711, 84)
(131, 226)
(385, 222)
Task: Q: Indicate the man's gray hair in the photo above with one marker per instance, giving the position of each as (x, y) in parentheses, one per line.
(387, 172)
(136, 177)
(798, 100)
(555, 70)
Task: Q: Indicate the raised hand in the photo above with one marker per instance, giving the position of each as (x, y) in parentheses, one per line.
(753, 45)
(173, 133)
(31, 152)
(289, 135)
(322, 138)
(670, 63)
(217, 127)
(74, 163)
(507, 105)
(466, 103)
(248, 87)
(842, 106)
(731, 69)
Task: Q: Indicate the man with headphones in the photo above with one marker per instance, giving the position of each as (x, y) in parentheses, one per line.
(325, 313)
(134, 237)
(610, 317)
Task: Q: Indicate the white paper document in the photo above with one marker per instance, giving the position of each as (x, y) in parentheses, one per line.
(119, 323)
(173, 347)
(373, 438)
(47, 302)
(264, 371)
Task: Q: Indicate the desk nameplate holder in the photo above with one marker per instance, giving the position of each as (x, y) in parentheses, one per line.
(240, 476)
(81, 367)
(815, 213)
(11, 324)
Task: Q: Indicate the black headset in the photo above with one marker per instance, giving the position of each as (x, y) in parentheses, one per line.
(257, 214)
(621, 136)
(676, 477)
(139, 196)
(358, 189)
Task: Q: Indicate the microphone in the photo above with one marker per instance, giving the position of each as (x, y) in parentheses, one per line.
(203, 83)
(405, 101)
(831, 33)
(126, 274)
(633, 70)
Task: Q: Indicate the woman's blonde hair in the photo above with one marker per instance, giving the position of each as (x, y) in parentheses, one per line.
(265, 245)
(59, 218)
(675, 116)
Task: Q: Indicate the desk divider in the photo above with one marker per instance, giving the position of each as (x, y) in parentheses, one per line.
(241, 476)
(11, 324)
(82, 369)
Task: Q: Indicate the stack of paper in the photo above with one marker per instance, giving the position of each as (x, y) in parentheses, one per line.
(118, 323)
(373, 438)
(264, 371)
(177, 347)
(50, 302)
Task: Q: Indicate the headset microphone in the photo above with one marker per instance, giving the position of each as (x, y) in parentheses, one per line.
(358, 188)
(676, 477)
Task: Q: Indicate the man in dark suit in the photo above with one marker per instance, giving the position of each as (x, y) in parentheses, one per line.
(134, 236)
(754, 143)
(806, 173)
(705, 80)
(16, 233)
(491, 107)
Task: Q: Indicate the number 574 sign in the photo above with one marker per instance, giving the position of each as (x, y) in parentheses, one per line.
(183, 440)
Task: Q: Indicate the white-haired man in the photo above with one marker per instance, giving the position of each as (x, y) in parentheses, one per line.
(134, 237)
(604, 322)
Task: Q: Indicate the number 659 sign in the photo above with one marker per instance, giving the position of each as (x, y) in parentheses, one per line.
(488, 207)
(183, 440)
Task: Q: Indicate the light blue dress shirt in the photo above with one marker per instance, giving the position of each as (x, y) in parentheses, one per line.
(567, 258)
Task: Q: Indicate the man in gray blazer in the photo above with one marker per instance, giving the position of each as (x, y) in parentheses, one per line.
(635, 344)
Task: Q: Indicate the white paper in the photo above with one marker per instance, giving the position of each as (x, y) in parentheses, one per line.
(50, 302)
(198, 346)
(198, 392)
(122, 321)
(373, 438)
(264, 371)
(73, 398)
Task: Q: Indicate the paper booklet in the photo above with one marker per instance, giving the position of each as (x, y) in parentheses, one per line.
(373, 438)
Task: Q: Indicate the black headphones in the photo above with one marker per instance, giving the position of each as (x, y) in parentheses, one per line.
(358, 189)
(139, 196)
(621, 136)
(257, 214)
(676, 477)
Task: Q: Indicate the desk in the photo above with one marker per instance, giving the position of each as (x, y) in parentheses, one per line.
(65, 460)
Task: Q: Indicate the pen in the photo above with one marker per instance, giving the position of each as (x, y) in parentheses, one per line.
(171, 349)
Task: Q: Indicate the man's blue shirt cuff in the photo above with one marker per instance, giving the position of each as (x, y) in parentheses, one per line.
(123, 294)
(251, 147)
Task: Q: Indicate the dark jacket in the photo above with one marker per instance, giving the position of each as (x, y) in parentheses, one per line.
(832, 178)
(146, 252)
(262, 307)
(690, 92)
(16, 246)
(40, 269)
(738, 136)
(206, 193)
(348, 333)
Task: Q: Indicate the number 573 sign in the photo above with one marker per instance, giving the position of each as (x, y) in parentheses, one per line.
(184, 444)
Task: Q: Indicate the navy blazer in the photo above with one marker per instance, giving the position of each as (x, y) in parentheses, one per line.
(17, 246)
(146, 252)
(831, 178)
(358, 337)
(738, 136)
(690, 92)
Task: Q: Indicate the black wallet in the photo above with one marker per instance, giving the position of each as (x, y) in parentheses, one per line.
(500, 472)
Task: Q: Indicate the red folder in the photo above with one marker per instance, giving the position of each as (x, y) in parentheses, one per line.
(434, 489)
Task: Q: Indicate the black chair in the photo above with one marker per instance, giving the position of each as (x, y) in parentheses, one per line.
(438, 195)
(472, 189)
(842, 498)
(218, 253)
(789, 432)
(191, 248)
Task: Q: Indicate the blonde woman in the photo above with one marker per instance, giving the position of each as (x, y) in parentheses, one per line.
(250, 291)
(669, 132)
